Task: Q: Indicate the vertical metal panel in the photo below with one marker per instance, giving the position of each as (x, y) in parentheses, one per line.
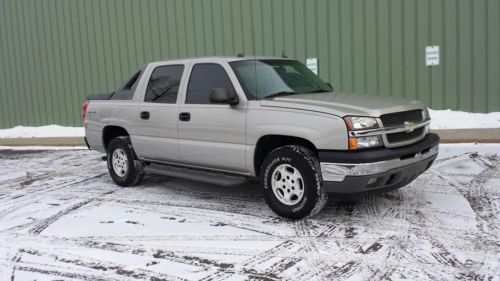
(4, 74)
(359, 34)
(226, 27)
(54, 52)
(423, 38)
(288, 28)
(465, 50)
(346, 45)
(323, 43)
(436, 35)
(397, 48)
(410, 49)
(336, 46)
(384, 47)
(371, 45)
(479, 50)
(493, 54)
(451, 53)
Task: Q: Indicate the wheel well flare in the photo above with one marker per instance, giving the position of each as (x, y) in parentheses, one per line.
(268, 143)
(111, 132)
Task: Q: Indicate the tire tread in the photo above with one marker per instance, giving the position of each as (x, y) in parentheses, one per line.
(136, 172)
(321, 197)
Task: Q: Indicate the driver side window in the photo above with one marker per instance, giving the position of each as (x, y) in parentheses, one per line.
(164, 84)
(204, 78)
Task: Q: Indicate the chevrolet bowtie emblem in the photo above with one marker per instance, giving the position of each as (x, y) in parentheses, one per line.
(410, 127)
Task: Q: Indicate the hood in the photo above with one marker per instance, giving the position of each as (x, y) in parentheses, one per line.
(344, 104)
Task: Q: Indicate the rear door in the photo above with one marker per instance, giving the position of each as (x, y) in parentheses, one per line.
(212, 135)
(156, 129)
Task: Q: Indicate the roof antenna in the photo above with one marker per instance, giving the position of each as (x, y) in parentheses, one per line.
(283, 54)
(240, 55)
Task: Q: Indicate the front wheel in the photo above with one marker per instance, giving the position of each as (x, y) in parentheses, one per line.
(123, 166)
(291, 182)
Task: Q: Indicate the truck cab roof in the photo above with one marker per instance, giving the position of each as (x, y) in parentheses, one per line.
(221, 59)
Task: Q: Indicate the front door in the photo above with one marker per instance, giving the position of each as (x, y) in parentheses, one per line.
(211, 135)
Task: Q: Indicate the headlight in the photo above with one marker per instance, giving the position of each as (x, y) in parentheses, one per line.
(360, 123)
(426, 114)
(355, 123)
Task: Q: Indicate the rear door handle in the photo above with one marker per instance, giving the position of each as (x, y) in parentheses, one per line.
(145, 115)
(184, 116)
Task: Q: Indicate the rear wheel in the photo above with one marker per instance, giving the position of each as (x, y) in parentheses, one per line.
(291, 182)
(123, 166)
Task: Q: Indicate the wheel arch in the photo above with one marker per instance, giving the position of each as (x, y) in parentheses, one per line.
(110, 132)
(268, 143)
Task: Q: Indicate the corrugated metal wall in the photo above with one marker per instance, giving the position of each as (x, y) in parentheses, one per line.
(54, 52)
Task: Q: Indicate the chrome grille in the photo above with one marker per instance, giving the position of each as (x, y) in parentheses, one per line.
(404, 136)
(399, 119)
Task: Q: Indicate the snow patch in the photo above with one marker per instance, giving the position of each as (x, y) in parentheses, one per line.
(42, 132)
(41, 148)
(181, 270)
(112, 220)
(450, 119)
(455, 149)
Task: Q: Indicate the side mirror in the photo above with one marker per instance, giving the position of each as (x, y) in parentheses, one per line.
(330, 85)
(223, 96)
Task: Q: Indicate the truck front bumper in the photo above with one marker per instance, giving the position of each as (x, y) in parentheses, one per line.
(378, 169)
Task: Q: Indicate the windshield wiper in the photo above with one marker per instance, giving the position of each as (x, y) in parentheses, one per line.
(281, 94)
(318, 91)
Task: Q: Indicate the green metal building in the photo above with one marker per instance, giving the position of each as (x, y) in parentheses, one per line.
(55, 52)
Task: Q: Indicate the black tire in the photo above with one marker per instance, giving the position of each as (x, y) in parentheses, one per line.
(135, 168)
(303, 160)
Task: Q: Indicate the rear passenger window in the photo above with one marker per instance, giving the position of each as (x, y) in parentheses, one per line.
(126, 91)
(164, 84)
(204, 78)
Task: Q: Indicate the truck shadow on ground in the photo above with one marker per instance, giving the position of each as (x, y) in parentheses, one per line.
(222, 186)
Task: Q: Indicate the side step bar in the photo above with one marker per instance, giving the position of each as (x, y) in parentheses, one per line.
(218, 178)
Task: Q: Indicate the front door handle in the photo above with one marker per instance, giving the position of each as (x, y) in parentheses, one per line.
(184, 116)
(145, 115)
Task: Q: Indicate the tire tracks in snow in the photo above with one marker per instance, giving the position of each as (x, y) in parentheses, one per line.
(390, 236)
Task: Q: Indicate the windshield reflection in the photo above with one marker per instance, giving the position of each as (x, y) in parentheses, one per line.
(274, 77)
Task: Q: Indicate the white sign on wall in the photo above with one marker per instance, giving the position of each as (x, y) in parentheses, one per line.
(431, 55)
(312, 64)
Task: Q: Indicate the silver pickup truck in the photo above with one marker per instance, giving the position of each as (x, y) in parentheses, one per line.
(267, 118)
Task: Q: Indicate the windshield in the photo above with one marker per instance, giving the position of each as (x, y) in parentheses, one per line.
(270, 78)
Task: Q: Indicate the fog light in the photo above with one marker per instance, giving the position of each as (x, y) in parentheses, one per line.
(366, 142)
(372, 181)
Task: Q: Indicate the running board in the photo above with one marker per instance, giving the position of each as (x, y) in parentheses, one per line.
(196, 174)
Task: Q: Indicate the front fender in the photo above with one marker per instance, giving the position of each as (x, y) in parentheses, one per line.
(323, 130)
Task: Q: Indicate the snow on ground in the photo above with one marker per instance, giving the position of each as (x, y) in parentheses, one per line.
(449, 119)
(61, 217)
(44, 148)
(441, 119)
(42, 132)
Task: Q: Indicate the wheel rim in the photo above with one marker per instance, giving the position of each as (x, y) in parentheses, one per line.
(287, 184)
(120, 162)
